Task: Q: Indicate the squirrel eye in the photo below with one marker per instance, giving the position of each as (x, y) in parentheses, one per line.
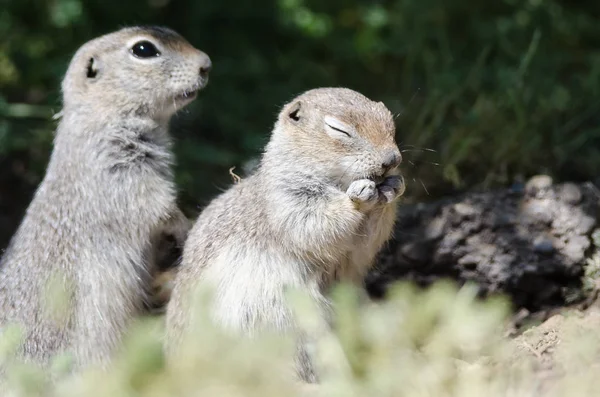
(144, 49)
(338, 129)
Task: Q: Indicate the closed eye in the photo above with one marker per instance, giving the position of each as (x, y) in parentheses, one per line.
(338, 129)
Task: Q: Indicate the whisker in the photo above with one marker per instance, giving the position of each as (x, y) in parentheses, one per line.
(400, 113)
(419, 162)
(411, 150)
(346, 170)
(424, 187)
(415, 148)
(418, 150)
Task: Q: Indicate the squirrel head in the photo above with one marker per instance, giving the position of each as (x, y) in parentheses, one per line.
(146, 70)
(339, 134)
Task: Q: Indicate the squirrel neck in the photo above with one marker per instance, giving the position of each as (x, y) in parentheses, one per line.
(84, 139)
(89, 121)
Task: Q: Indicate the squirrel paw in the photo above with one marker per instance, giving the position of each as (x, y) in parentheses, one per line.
(363, 191)
(391, 188)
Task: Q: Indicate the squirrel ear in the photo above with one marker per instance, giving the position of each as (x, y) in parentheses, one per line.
(294, 112)
(92, 68)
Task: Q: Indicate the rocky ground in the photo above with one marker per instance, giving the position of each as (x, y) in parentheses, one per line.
(536, 242)
(531, 242)
(560, 344)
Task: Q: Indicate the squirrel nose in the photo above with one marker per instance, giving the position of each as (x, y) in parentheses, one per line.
(391, 160)
(205, 65)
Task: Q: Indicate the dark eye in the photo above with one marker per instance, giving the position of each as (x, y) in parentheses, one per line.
(144, 49)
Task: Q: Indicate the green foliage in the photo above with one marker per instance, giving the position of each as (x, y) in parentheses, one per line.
(439, 342)
(498, 89)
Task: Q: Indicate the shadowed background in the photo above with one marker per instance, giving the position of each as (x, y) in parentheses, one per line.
(500, 90)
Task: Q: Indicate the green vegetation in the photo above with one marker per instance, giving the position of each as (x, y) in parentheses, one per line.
(498, 89)
(441, 342)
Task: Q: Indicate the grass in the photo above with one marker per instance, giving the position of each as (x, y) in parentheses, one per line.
(438, 342)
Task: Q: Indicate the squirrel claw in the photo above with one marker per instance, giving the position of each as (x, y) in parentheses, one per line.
(363, 191)
(391, 188)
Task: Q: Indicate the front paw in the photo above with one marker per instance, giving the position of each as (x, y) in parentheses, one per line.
(391, 188)
(363, 192)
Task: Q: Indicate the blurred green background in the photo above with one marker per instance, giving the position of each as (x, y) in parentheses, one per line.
(499, 89)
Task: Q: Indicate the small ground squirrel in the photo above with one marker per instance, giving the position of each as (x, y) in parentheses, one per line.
(317, 209)
(107, 198)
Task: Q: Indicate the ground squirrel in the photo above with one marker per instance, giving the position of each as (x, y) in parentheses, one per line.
(316, 210)
(107, 198)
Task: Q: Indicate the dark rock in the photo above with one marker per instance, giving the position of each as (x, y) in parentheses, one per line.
(537, 210)
(531, 247)
(503, 220)
(435, 229)
(470, 261)
(465, 210)
(419, 252)
(517, 188)
(537, 184)
(575, 248)
(570, 193)
(568, 221)
(543, 245)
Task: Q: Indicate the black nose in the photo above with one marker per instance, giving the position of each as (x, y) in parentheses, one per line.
(205, 65)
(391, 160)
